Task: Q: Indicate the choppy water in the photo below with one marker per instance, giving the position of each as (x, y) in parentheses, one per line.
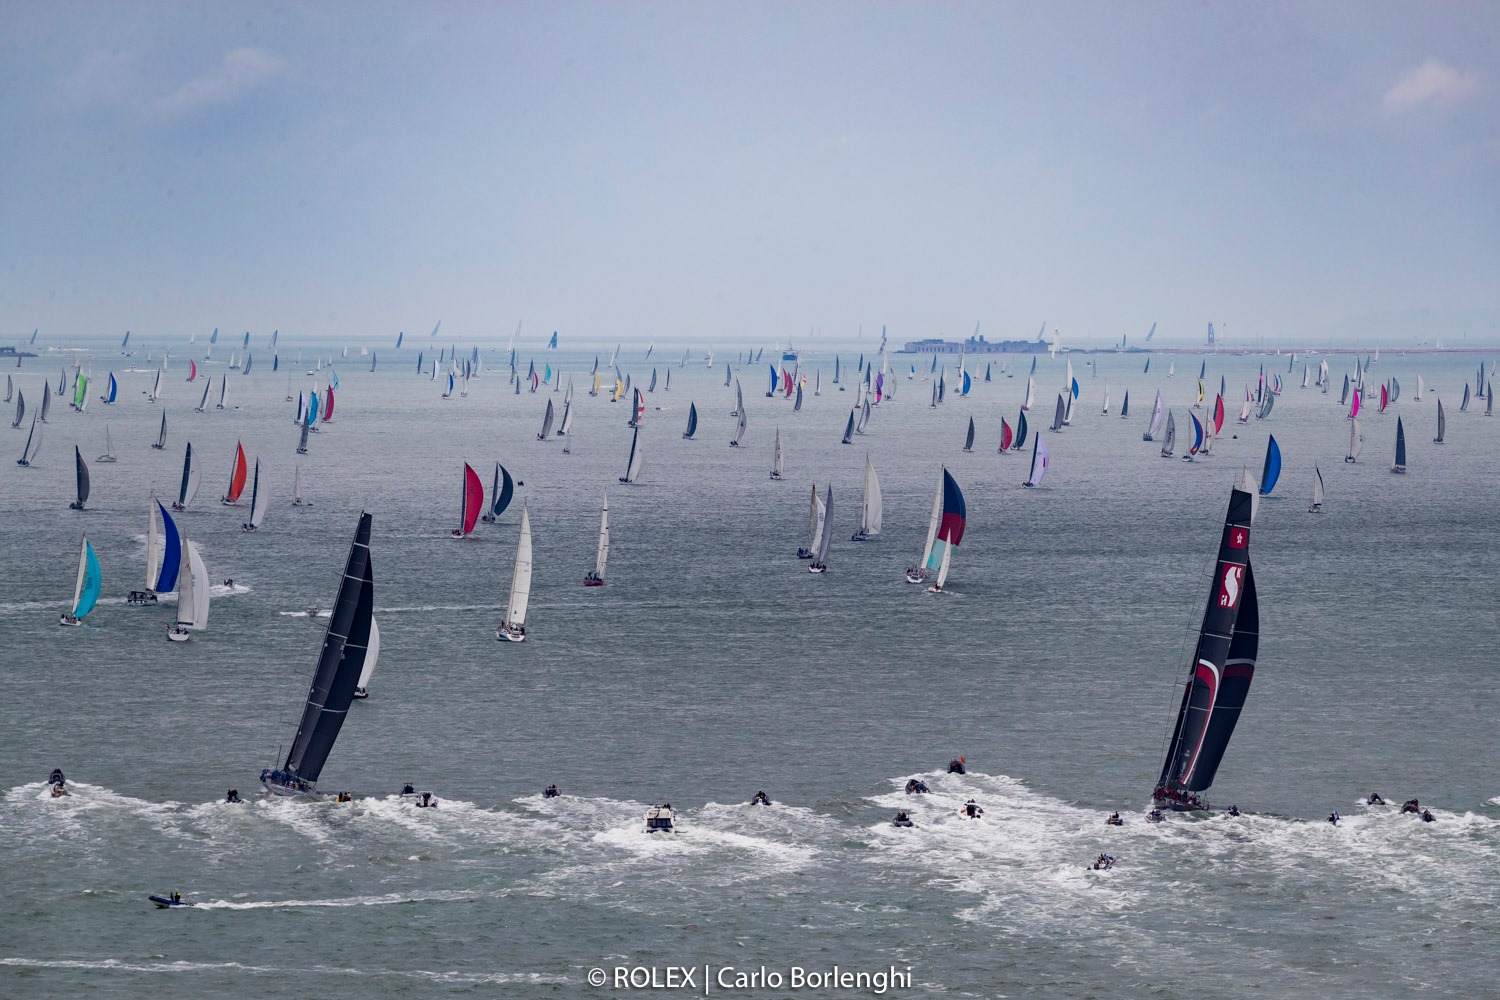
(713, 665)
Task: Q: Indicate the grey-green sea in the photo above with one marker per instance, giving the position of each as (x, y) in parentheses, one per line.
(713, 665)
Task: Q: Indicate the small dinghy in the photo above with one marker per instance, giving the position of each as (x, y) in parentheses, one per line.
(168, 902)
(902, 819)
(661, 819)
(1103, 863)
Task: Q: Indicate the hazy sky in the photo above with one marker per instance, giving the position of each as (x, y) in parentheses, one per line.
(739, 173)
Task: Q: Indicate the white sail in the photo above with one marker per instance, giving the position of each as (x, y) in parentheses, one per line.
(873, 508)
(193, 480)
(932, 524)
(825, 527)
(1030, 392)
(1158, 416)
(192, 589)
(777, 467)
(1317, 487)
(1420, 387)
(637, 457)
(372, 653)
(820, 522)
(260, 498)
(602, 555)
(520, 581)
(297, 486)
(153, 546)
(1356, 440)
(942, 576)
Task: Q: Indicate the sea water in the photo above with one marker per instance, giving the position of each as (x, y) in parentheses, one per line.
(713, 665)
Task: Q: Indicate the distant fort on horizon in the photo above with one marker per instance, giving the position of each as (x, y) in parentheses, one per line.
(11, 352)
(975, 345)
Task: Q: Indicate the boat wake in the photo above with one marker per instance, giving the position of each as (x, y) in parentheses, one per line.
(120, 965)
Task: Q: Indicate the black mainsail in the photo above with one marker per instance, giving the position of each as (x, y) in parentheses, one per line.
(339, 665)
(1223, 665)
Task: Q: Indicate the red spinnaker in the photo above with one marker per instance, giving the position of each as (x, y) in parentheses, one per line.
(473, 498)
(237, 474)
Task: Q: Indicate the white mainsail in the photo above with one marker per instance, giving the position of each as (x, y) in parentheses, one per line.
(192, 589)
(259, 499)
(520, 581)
(153, 545)
(602, 555)
(871, 514)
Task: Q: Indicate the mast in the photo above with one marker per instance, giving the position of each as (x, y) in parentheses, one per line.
(345, 645)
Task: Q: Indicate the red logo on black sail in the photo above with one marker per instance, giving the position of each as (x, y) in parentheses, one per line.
(1230, 585)
(1239, 538)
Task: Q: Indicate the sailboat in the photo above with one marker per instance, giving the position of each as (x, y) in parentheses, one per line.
(237, 473)
(297, 500)
(109, 448)
(33, 441)
(1399, 466)
(945, 528)
(1221, 669)
(1317, 500)
(340, 663)
(819, 562)
(260, 499)
(501, 490)
(1039, 462)
(777, 465)
(739, 429)
(192, 476)
(21, 407)
(1271, 470)
(601, 556)
(372, 654)
(1442, 422)
(81, 469)
(969, 437)
(633, 463)
(470, 504)
(192, 595)
(871, 508)
(849, 428)
(692, 424)
(814, 506)
(1195, 445)
(86, 590)
(1356, 442)
(161, 565)
(546, 423)
(1169, 442)
(514, 628)
(1158, 419)
(223, 391)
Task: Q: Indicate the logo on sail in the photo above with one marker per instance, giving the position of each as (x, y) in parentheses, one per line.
(1239, 538)
(1231, 586)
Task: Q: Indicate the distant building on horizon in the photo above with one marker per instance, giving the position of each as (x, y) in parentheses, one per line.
(974, 345)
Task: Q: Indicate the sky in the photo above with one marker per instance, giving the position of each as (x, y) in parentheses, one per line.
(740, 173)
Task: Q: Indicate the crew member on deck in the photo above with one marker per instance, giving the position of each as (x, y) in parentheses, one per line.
(1114, 820)
(233, 795)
